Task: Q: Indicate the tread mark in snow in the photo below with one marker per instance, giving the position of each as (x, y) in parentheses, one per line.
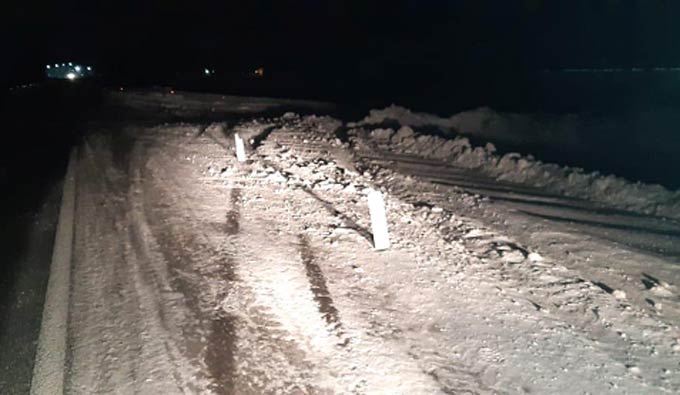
(220, 353)
(333, 211)
(606, 288)
(218, 349)
(121, 147)
(234, 215)
(649, 281)
(319, 288)
(351, 224)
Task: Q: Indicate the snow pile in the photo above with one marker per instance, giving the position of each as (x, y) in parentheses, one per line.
(515, 168)
(487, 123)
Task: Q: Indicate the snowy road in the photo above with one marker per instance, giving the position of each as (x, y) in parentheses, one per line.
(195, 274)
(185, 284)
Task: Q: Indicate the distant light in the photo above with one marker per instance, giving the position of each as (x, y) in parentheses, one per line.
(77, 68)
(89, 68)
(172, 92)
(71, 76)
(70, 64)
(56, 65)
(48, 67)
(206, 71)
(63, 64)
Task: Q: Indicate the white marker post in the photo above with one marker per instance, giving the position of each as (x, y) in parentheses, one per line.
(240, 148)
(376, 207)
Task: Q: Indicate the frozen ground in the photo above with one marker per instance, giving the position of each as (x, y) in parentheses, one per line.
(193, 273)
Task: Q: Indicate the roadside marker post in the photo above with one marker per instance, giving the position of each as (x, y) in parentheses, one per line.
(376, 208)
(240, 148)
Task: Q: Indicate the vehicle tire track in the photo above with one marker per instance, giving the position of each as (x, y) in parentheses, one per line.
(235, 307)
(322, 295)
(212, 332)
(118, 306)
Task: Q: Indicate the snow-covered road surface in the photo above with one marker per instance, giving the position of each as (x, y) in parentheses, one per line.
(193, 273)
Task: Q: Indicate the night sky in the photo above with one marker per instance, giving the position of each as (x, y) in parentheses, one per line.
(346, 39)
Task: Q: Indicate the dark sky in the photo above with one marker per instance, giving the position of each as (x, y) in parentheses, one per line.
(409, 36)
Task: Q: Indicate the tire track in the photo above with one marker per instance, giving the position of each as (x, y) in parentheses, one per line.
(232, 226)
(191, 258)
(319, 288)
(261, 359)
(125, 310)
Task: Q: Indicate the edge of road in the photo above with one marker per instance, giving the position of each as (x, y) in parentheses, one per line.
(50, 360)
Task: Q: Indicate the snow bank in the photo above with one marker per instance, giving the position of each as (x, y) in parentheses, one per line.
(513, 167)
(487, 123)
